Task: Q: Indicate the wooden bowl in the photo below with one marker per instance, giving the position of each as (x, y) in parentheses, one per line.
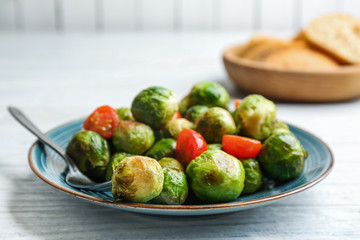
(339, 84)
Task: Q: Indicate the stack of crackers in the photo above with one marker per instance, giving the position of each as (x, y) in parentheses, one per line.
(327, 42)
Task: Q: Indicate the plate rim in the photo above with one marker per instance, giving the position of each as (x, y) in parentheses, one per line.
(180, 208)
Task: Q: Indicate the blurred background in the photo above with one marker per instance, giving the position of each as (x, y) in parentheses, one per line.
(167, 15)
(60, 59)
(62, 43)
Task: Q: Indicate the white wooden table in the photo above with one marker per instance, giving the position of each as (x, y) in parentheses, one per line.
(55, 78)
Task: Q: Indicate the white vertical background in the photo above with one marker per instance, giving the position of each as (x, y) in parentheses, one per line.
(157, 14)
(197, 14)
(38, 14)
(179, 15)
(313, 8)
(79, 14)
(119, 14)
(276, 14)
(352, 6)
(235, 14)
(7, 15)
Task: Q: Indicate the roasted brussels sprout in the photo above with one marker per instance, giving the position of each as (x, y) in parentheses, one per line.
(214, 123)
(175, 189)
(170, 163)
(194, 112)
(216, 176)
(137, 179)
(154, 106)
(209, 94)
(116, 158)
(214, 146)
(253, 176)
(133, 137)
(282, 156)
(158, 134)
(163, 148)
(125, 114)
(174, 127)
(91, 154)
(184, 105)
(255, 116)
(280, 127)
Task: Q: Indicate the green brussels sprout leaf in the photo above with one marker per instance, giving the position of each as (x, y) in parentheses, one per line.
(137, 179)
(216, 176)
(91, 154)
(214, 123)
(282, 156)
(155, 106)
(133, 137)
(163, 148)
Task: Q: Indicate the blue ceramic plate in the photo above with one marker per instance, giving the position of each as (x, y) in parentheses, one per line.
(51, 168)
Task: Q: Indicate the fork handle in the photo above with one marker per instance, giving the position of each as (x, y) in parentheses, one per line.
(23, 120)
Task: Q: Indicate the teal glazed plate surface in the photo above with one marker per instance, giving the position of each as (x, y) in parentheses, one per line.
(51, 168)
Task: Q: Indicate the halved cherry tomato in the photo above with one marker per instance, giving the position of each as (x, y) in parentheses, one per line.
(237, 102)
(103, 121)
(189, 145)
(175, 116)
(241, 147)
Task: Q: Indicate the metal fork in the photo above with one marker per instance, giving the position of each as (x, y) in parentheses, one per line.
(74, 177)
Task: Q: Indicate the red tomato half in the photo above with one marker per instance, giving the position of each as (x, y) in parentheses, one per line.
(189, 145)
(241, 147)
(176, 115)
(103, 121)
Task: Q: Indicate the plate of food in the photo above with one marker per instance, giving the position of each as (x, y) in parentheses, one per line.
(190, 158)
(320, 64)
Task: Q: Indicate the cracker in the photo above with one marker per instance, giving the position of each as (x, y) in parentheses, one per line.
(336, 34)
